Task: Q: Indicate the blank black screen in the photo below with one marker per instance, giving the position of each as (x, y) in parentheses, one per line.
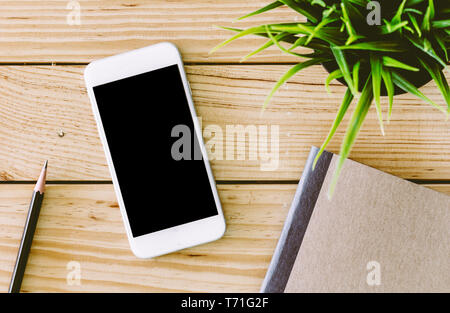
(138, 114)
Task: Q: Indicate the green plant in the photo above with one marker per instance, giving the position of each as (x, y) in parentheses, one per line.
(411, 42)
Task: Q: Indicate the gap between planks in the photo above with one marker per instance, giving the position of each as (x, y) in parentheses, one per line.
(218, 182)
(249, 63)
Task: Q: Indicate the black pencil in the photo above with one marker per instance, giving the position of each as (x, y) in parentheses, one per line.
(28, 232)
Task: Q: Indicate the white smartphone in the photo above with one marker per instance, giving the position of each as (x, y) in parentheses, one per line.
(152, 140)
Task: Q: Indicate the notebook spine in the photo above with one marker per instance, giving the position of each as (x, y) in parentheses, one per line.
(296, 222)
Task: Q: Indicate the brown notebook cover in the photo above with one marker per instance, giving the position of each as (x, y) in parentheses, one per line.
(378, 233)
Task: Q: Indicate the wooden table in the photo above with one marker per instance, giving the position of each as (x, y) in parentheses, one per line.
(42, 92)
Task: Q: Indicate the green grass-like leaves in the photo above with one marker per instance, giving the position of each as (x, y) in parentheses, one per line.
(412, 40)
(359, 114)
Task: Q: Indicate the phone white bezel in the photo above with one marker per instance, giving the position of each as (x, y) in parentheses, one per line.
(134, 63)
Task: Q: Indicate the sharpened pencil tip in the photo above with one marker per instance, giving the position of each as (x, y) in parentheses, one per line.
(40, 184)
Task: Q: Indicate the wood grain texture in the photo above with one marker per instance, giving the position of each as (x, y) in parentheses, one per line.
(37, 101)
(37, 31)
(82, 223)
(444, 188)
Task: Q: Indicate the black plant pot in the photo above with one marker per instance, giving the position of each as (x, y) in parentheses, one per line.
(418, 79)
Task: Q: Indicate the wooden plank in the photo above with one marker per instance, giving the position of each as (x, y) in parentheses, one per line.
(37, 101)
(416, 144)
(82, 223)
(444, 188)
(38, 31)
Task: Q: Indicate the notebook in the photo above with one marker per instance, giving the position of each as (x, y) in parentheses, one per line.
(378, 233)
